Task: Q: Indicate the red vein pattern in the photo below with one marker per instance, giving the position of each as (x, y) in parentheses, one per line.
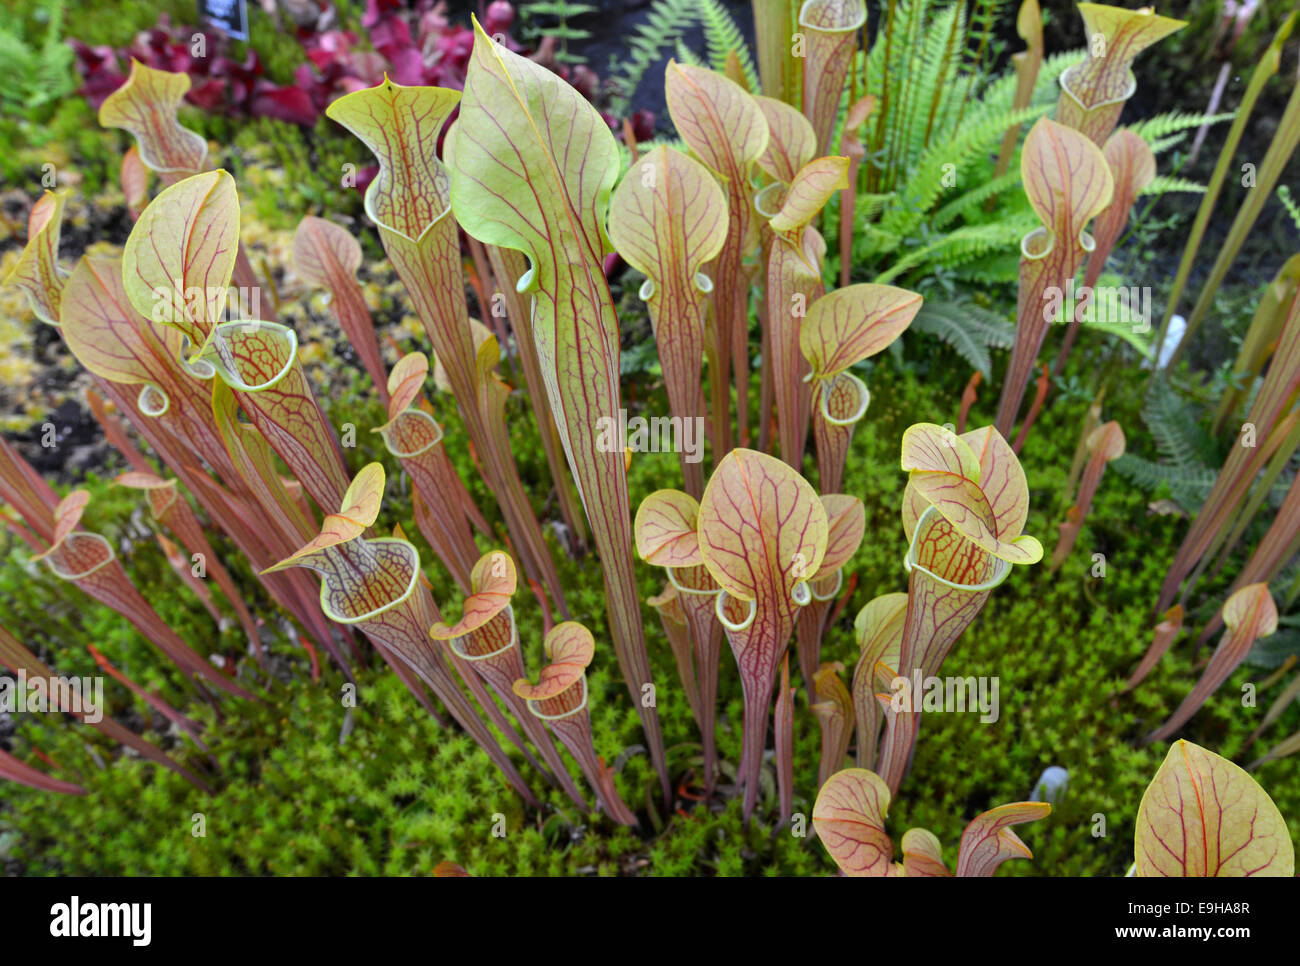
(988, 840)
(879, 632)
(849, 816)
(844, 399)
(409, 202)
(831, 31)
(327, 256)
(1093, 93)
(667, 230)
(793, 283)
(762, 530)
(1203, 816)
(1068, 181)
(37, 270)
(534, 165)
(723, 125)
(146, 107)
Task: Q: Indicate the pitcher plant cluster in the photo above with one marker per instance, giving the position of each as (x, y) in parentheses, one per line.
(520, 174)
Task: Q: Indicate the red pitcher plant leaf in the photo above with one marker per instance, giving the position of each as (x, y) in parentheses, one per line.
(1268, 415)
(37, 270)
(791, 141)
(667, 529)
(508, 267)
(26, 491)
(794, 282)
(1278, 545)
(964, 508)
(667, 218)
(177, 263)
(17, 770)
(88, 561)
(878, 629)
(145, 106)
(171, 510)
(1027, 62)
(814, 185)
(493, 581)
(852, 146)
(183, 722)
(327, 256)
(793, 272)
(1166, 633)
(667, 535)
(485, 642)
(830, 29)
(849, 817)
(842, 329)
(922, 855)
(176, 269)
(723, 125)
(1250, 614)
(410, 202)
(834, 711)
(988, 840)
(846, 522)
(783, 731)
(668, 605)
(560, 699)
(1105, 443)
(1133, 167)
(1203, 816)
(763, 534)
(1068, 181)
(1093, 92)
(442, 505)
(134, 176)
(16, 657)
(518, 125)
(375, 585)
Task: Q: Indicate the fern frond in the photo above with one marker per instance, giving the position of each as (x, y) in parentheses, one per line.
(960, 245)
(1189, 486)
(722, 37)
(1174, 429)
(974, 199)
(665, 23)
(924, 183)
(1163, 184)
(969, 330)
(1002, 268)
(1162, 125)
(687, 56)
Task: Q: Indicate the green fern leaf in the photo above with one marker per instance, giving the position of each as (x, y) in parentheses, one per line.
(722, 37)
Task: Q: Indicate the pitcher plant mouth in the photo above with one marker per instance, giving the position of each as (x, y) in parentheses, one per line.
(683, 589)
(1064, 81)
(219, 353)
(830, 594)
(461, 653)
(327, 583)
(153, 402)
(719, 609)
(54, 554)
(534, 703)
(429, 424)
(1001, 568)
(828, 386)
